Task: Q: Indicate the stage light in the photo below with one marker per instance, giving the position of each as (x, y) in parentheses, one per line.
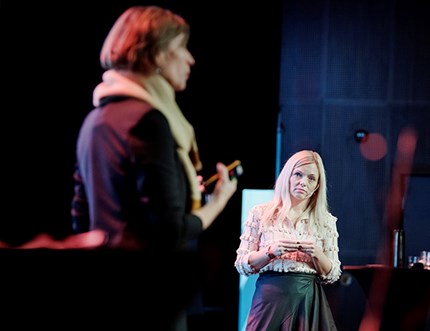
(361, 135)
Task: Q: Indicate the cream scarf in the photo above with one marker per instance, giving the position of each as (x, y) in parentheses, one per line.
(160, 94)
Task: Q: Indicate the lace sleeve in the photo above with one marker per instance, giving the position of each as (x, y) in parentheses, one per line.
(249, 242)
(331, 250)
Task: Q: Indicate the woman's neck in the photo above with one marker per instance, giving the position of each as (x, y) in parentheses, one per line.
(297, 209)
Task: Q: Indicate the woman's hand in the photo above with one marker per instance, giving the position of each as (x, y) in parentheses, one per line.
(289, 245)
(225, 186)
(223, 191)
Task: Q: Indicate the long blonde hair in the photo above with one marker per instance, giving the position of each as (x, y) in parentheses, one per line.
(280, 204)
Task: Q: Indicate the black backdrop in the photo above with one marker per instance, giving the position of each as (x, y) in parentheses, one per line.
(50, 67)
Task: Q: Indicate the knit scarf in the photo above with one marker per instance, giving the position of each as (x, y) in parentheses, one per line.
(159, 93)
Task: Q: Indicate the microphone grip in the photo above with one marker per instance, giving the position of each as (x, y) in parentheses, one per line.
(234, 168)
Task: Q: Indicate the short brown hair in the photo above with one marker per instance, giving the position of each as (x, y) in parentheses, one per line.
(138, 35)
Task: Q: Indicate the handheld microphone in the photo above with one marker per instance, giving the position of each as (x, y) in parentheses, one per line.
(235, 169)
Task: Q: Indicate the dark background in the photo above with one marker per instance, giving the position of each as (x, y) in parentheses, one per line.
(270, 78)
(50, 68)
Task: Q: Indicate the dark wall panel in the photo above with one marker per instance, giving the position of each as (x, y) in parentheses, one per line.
(411, 67)
(345, 66)
(339, 74)
(301, 62)
(358, 45)
(357, 185)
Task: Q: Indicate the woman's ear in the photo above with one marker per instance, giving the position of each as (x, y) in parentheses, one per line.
(160, 59)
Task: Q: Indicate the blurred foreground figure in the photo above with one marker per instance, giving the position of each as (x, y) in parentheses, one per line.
(137, 163)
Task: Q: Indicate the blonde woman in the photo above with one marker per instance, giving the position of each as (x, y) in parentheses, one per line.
(292, 243)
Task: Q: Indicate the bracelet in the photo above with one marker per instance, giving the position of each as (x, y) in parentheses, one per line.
(268, 254)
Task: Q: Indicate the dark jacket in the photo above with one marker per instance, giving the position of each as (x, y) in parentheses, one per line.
(129, 180)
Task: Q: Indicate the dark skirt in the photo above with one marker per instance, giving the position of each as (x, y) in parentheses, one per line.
(289, 302)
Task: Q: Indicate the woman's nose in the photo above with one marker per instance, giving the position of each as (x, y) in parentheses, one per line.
(191, 59)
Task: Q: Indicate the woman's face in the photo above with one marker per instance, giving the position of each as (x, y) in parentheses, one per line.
(175, 63)
(304, 181)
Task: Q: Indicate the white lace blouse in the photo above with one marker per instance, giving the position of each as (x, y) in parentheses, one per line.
(256, 236)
